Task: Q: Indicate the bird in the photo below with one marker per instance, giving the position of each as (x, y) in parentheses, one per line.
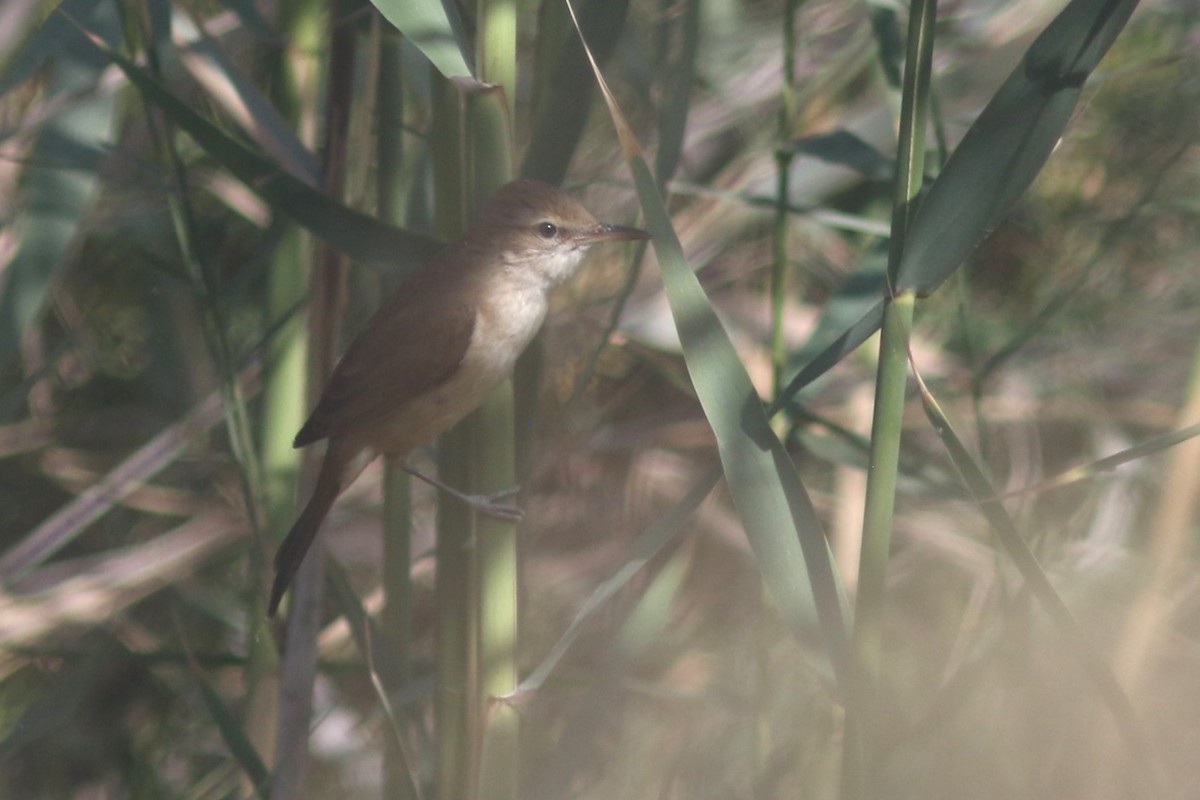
(437, 347)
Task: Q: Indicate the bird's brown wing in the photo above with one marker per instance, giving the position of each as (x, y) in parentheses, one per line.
(414, 343)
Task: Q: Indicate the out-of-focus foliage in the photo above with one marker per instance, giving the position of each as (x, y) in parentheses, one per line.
(144, 192)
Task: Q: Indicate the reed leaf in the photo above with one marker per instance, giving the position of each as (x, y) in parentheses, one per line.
(774, 507)
(360, 236)
(437, 29)
(1006, 147)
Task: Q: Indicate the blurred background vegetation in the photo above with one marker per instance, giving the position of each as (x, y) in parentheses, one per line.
(169, 172)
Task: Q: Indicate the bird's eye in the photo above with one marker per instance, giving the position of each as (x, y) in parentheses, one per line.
(547, 230)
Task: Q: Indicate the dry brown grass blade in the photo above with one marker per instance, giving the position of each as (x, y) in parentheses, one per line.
(70, 521)
(109, 583)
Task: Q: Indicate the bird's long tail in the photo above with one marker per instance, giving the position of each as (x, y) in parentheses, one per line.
(295, 546)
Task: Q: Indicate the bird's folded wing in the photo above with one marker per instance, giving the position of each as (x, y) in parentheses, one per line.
(409, 347)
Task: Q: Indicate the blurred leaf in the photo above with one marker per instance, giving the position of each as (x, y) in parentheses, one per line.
(437, 29)
(238, 97)
(654, 539)
(1009, 143)
(363, 238)
(57, 34)
(563, 114)
(48, 601)
(54, 197)
(644, 633)
(1077, 642)
(235, 738)
(677, 97)
(887, 35)
(49, 713)
(72, 519)
(346, 600)
(251, 18)
(846, 149)
(159, 14)
(1109, 463)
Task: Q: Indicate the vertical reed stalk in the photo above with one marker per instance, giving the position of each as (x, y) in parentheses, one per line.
(783, 165)
(861, 757)
(326, 293)
(493, 449)
(285, 372)
(454, 702)
(398, 782)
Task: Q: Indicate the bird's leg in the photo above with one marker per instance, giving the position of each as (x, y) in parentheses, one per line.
(486, 504)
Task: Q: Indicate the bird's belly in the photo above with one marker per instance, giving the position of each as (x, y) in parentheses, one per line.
(423, 419)
(489, 359)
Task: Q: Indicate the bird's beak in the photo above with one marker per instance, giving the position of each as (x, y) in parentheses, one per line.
(612, 233)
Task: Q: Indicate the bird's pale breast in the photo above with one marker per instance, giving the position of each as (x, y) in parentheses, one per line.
(504, 325)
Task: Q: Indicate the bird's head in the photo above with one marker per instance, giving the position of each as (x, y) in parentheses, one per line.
(543, 229)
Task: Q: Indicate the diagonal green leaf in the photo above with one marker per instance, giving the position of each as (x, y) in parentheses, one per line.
(773, 505)
(1009, 143)
(360, 236)
(1109, 463)
(241, 99)
(996, 161)
(56, 35)
(859, 295)
(839, 348)
(780, 521)
(235, 738)
(436, 28)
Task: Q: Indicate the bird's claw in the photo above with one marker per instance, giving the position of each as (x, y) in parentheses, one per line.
(488, 505)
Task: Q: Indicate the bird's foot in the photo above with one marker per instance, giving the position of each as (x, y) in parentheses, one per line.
(490, 506)
(487, 504)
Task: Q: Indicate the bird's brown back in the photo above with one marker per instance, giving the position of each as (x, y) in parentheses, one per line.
(381, 370)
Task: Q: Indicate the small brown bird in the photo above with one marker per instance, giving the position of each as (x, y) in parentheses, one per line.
(433, 351)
